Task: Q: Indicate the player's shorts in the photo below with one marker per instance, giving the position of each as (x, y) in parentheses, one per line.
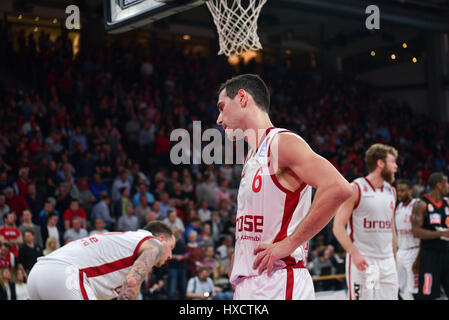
(283, 284)
(378, 282)
(405, 259)
(57, 280)
(433, 274)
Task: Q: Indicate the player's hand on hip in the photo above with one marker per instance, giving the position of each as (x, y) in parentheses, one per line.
(359, 261)
(267, 254)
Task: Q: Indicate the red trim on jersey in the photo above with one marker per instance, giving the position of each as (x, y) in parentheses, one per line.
(369, 182)
(349, 279)
(290, 282)
(433, 201)
(360, 195)
(351, 225)
(114, 265)
(83, 290)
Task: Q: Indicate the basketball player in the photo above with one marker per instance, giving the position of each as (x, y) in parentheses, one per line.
(371, 271)
(430, 223)
(103, 266)
(275, 217)
(407, 244)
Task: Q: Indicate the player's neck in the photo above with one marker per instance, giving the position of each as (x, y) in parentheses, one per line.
(257, 127)
(375, 179)
(436, 196)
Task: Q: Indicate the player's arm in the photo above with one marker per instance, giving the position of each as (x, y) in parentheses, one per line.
(418, 215)
(332, 190)
(393, 225)
(140, 270)
(342, 216)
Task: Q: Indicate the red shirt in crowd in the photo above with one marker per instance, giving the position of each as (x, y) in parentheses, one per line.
(11, 233)
(69, 214)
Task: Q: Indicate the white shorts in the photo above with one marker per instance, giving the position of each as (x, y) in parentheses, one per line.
(381, 284)
(407, 285)
(57, 280)
(283, 284)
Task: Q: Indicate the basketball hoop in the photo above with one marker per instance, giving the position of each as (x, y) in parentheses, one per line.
(236, 24)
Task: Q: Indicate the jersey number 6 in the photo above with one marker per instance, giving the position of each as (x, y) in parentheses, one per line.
(257, 181)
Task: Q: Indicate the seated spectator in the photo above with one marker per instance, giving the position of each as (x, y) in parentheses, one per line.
(52, 229)
(50, 245)
(195, 224)
(201, 287)
(151, 216)
(76, 232)
(206, 191)
(142, 210)
(28, 252)
(119, 206)
(209, 258)
(21, 185)
(7, 259)
(10, 234)
(101, 210)
(16, 202)
(53, 178)
(222, 191)
(222, 284)
(87, 198)
(74, 211)
(206, 239)
(195, 254)
(63, 197)
(204, 213)
(174, 222)
(4, 208)
(165, 206)
(222, 250)
(99, 227)
(27, 224)
(7, 286)
(129, 221)
(143, 191)
(21, 286)
(217, 227)
(98, 187)
(121, 181)
(156, 207)
(35, 201)
(49, 207)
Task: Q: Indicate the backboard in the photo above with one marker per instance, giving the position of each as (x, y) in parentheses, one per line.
(125, 15)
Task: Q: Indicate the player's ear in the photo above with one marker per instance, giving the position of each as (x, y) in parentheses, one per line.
(160, 237)
(243, 97)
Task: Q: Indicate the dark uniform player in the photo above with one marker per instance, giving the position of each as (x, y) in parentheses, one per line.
(430, 223)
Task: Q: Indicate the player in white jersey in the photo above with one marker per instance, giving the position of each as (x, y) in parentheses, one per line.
(407, 244)
(275, 216)
(103, 266)
(370, 240)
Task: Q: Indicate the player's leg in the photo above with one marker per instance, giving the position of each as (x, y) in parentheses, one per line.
(356, 280)
(388, 280)
(402, 274)
(429, 276)
(445, 274)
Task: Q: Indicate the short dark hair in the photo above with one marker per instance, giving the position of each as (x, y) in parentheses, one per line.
(404, 182)
(251, 83)
(158, 228)
(436, 178)
(29, 230)
(51, 215)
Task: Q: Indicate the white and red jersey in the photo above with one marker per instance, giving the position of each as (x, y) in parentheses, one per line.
(403, 223)
(267, 212)
(370, 226)
(105, 259)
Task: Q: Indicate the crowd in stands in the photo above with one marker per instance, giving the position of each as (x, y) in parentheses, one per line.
(85, 143)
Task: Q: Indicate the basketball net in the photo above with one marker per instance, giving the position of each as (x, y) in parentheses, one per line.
(236, 24)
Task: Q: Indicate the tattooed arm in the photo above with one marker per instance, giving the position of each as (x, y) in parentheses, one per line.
(418, 215)
(140, 270)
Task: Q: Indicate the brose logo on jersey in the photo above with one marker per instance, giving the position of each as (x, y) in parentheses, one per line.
(376, 224)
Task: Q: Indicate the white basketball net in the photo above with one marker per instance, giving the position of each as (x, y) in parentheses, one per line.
(236, 24)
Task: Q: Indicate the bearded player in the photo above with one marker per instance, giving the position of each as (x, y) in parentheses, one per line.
(275, 215)
(370, 239)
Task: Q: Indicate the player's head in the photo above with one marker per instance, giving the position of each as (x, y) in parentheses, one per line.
(404, 190)
(438, 181)
(382, 157)
(236, 95)
(166, 236)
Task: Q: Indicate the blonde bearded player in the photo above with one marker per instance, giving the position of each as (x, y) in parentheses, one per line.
(371, 270)
(275, 216)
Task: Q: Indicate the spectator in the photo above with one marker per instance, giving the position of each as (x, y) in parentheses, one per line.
(222, 250)
(165, 206)
(209, 258)
(204, 213)
(121, 181)
(28, 252)
(101, 210)
(10, 234)
(121, 204)
(50, 245)
(195, 224)
(177, 269)
(76, 232)
(74, 211)
(63, 197)
(27, 224)
(21, 287)
(222, 192)
(222, 284)
(35, 200)
(206, 235)
(217, 227)
(201, 287)
(52, 228)
(206, 191)
(129, 221)
(7, 286)
(143, 192)
(174, 222)
(4, 208)
(154, 288)
(16, 203)
(7, 259)
(98, 187)
(142, 210)
(21, 185)
(99, 227)
(322, 266)
(195, 254)
(87, 198)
